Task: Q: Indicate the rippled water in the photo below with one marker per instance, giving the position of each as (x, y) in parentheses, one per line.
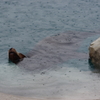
(55, 35)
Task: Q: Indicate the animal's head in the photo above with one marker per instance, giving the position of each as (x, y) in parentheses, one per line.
(14, 56)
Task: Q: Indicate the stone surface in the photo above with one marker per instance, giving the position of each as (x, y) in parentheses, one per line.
(94, 53)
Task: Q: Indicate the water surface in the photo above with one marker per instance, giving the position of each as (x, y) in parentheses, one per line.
(55, 35)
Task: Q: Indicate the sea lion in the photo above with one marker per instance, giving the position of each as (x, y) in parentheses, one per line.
(14, 56)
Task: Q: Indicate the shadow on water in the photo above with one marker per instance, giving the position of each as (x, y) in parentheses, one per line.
(58, 49)
(93, 68)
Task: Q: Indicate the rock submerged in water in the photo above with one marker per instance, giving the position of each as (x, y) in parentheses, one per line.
(94, 53)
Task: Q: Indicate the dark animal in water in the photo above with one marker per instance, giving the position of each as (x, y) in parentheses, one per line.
(14, 56)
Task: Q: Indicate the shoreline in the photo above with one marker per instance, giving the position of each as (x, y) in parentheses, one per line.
(4, 96)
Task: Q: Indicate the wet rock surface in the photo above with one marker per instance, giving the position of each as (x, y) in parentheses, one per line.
(94, 53)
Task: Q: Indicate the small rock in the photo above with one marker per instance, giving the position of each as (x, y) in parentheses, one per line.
(94, 53)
